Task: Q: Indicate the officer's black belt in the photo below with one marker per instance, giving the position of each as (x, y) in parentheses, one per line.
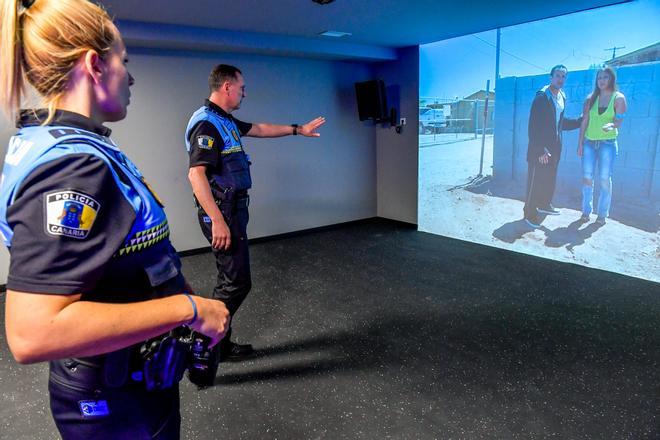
(237, 203)
(242, 202)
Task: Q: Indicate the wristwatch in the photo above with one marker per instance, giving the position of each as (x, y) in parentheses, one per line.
(295, 129)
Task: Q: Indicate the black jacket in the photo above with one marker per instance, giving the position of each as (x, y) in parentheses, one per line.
(541, 128)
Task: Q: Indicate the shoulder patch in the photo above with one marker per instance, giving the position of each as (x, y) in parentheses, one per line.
(205, 142)
(70, 213)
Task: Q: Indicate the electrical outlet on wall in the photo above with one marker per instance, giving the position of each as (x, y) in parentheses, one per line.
(402, 121)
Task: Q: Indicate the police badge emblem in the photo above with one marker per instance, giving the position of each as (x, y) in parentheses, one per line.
(70, 213)
(205, 142)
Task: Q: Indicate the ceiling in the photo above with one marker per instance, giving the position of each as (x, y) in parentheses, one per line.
(374, 23)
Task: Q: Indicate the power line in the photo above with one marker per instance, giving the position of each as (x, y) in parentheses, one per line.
(510, 54)
(558, 39)
(567, 57)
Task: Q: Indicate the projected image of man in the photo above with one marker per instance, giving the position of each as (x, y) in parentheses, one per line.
(546, 123)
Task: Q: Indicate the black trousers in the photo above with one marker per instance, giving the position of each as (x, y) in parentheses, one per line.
(234, 279)
(541, 182)
(84, 408)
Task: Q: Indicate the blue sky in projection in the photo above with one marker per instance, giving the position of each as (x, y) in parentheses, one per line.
(460, 66)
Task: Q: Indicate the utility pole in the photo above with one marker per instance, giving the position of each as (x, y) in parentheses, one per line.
(613, 49)
(497, 56)
(483, 130)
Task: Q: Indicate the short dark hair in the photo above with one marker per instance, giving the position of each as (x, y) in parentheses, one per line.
(222, 73)
(558, 67)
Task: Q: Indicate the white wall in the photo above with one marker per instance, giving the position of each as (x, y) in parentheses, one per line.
(397, 154)
(299, 182)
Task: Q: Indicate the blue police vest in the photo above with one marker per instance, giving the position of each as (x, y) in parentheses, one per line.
(235, 164)
(36, 145)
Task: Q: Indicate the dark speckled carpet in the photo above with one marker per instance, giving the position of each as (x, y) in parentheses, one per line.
(375, 331)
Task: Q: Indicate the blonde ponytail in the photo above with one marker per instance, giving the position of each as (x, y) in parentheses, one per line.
(11, 63)
(41, 43)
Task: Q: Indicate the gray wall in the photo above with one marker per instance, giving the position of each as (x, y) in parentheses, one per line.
(397, 154)
(637, 169)
(299, 182)
(6, 130)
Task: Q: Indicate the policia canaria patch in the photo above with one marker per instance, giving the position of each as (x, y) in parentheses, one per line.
(205, 142)
(70, 213)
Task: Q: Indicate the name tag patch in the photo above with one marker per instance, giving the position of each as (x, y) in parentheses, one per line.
(94, 408)
(70, 213)
(205, 142)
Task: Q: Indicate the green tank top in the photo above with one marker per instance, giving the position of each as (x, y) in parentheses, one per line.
(596, 121)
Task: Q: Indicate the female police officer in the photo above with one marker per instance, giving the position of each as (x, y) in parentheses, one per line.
(92, 272)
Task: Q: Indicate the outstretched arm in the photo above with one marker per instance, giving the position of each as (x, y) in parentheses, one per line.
(263, 130)
(568, 124)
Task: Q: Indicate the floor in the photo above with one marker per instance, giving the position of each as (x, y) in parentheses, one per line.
(373, 330)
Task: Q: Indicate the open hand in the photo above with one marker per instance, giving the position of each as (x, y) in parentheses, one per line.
(310, 128)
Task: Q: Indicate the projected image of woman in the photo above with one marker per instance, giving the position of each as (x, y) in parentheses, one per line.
(604, 110)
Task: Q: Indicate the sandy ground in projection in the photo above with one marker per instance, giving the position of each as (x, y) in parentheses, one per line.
(483, 215)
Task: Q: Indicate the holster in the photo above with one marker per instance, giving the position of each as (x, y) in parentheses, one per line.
(166, 366)
(159, 362)
(222, 195)
(224, 198)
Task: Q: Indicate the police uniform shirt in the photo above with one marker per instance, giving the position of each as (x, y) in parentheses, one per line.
(206, 142)
(48, 263)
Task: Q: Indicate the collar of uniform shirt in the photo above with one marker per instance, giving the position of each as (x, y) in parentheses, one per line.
(216, 108)
(30, 117)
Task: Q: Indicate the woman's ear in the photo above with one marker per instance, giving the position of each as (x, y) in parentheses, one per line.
(92, 64)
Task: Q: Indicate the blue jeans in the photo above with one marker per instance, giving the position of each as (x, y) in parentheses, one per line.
(603, 152)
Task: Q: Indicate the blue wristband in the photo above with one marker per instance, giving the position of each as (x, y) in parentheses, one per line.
(194, 306)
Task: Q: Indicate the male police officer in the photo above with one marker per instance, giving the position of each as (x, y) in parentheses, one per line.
(220, 178)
